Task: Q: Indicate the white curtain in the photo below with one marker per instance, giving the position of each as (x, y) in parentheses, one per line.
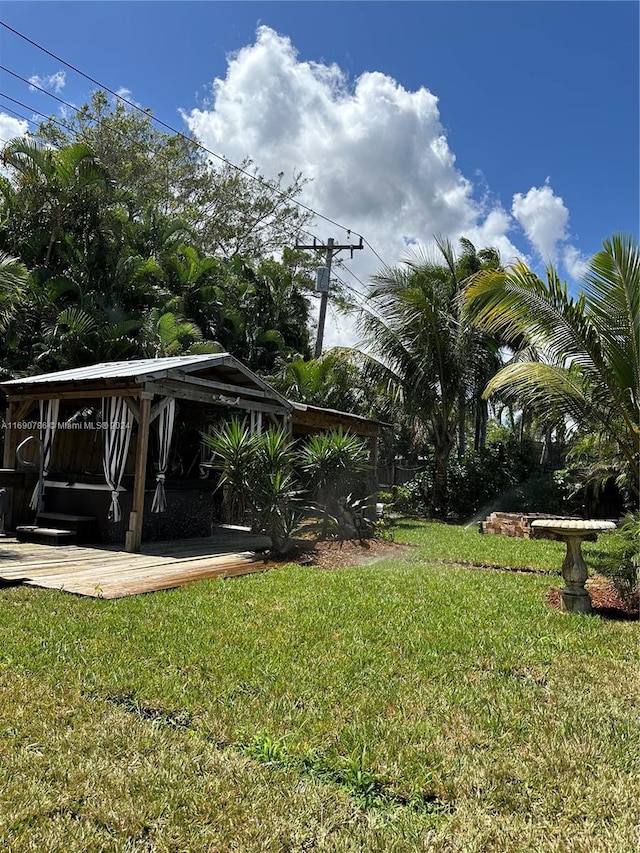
(166, 420)
(256, 421)
(48, 422)
(116, 435)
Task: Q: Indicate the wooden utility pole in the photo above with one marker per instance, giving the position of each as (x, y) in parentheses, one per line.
(329, 250)
(324, 298)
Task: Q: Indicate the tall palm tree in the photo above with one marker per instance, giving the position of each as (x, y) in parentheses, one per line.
(14, 288)
(422, 348)
(587, 368)
(486, 359)
(13, 284)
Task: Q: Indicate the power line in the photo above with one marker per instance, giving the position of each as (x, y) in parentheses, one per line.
(16, 114)
(358, 297)
(37, 112)
(365, 304)
(369, 246)
(184, 136)
(38, 88)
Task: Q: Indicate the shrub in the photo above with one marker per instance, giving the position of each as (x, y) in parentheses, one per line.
(258, 476)
(332, 463)
(501, 476)
(624, 565)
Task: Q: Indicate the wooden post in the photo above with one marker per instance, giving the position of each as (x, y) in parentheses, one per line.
(373, 456)
(17, 410)
(133, 539)
(287, 423)
(8, 460)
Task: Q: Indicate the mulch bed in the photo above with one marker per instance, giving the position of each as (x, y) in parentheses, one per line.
(606, 602)
(333, 554)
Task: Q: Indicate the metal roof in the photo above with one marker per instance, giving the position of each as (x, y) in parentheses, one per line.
(122, 369)
(156, 368)
(306, 407)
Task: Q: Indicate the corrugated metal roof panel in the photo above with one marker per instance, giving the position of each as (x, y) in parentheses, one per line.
(120, 369)
(306, 407)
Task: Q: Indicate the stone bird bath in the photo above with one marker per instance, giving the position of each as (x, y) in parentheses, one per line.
(575, 597)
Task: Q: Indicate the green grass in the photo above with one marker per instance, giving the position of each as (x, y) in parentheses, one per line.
(408, 705)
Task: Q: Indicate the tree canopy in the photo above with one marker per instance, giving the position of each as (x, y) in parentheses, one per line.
(584, 362)
(119, 240)
(230, 210)
(110, 278)
(427, 358)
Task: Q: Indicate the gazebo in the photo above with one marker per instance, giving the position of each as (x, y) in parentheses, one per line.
(107, 429)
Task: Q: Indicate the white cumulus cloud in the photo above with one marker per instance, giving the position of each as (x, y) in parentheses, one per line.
(574, 262)
(544, 218)
(11, 127)
(127, 95)
(53, 83)
(376, 154)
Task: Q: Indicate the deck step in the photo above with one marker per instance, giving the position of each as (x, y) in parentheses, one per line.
(45, 535)
(84, 526)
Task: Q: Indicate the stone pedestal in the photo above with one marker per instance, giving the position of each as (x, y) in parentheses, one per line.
(575, 598)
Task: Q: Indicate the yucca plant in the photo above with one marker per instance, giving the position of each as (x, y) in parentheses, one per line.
(256, 475)
(330, 461)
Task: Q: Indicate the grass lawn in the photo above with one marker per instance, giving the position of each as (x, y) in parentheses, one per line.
(407, 705)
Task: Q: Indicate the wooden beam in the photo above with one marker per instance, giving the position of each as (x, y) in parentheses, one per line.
(159, 408)
(8, 460)
(182, 392)
(133, 407)
(373, 453)
(16, 412)
(23, 409)
(214, 385)
(324, 421)
(87, 394)
(133, 537)
(233, 362)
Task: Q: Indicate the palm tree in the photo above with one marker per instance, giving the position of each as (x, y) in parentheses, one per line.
(13, 284)
(14, 287)
(53, 198)
(422, 349)
(486, 359)
(332, 381)
(586, 368)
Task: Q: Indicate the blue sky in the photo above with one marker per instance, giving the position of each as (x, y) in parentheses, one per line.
(515, 123)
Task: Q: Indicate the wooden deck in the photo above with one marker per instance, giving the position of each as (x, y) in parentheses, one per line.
(105, 572)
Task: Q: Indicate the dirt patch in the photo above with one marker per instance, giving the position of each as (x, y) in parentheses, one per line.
(606, 602)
